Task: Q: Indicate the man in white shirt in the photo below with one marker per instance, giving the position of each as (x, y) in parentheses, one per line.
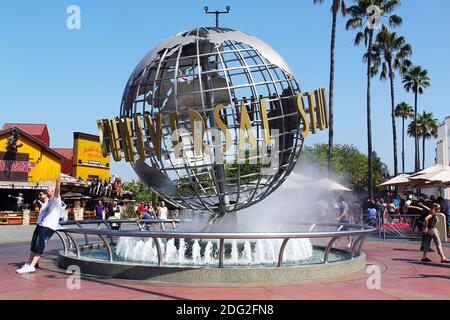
(46, 225)
(162, 214)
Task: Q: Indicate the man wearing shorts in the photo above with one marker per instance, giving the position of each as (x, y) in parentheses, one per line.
(46, 225)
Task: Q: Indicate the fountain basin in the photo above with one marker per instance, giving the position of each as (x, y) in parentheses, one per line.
(91, 263)
(220, 257)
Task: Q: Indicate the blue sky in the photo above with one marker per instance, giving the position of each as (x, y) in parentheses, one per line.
(70, 78)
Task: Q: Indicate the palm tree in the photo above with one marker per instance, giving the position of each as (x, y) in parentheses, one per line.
(427, 128)
(416, 80)
(338, 5)
(390, 52)
(360, 14)
(404, 111)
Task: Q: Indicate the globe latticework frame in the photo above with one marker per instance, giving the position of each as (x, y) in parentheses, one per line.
(199, 69)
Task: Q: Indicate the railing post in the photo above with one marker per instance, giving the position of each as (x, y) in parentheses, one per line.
(108, 247)
(364, 239)
(86, 240)
(63, 242)
(328, 249)
(77, 249)
(158, 249)
(281, 253)
(221, 252)
(355, 243)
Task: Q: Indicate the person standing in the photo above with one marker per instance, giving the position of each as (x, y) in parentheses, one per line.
(100, 211)
(115, 210)
(142, 208)
(20, 201)
(152, 212)
(372, 214)
(364, 207)
(46, 225)
(114, 214)
(162, 214)
(431, 233)
(408, 203)
(343, 217)
(420, 222)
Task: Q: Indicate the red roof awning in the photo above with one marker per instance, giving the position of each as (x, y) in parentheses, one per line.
(37, 130)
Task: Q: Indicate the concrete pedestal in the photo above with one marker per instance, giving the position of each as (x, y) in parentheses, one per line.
(442, 226)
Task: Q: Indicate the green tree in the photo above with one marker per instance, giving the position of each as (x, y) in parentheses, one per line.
(141, 193)
(404, 111)
(416, 80)
(337, 5)
(427, 128)
(349, 164)
(361, 13)
(390, 53)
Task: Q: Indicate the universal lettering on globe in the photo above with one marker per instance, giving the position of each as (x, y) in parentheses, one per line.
(126, 134)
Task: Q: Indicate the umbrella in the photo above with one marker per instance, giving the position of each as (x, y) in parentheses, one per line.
(296, 180)
(400, 180)
(437, 174)
(104, 199)
(71, 195)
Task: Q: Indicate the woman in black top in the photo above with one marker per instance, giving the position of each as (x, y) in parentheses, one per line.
(431, 233)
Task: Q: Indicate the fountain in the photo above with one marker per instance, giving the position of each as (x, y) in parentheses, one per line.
(213, 121)
(259, 253)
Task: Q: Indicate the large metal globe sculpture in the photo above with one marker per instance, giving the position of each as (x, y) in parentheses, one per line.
(199, 69)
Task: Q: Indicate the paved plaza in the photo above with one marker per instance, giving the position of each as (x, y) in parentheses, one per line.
(403, 277)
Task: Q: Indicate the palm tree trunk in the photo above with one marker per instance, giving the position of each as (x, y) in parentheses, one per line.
(331, 94)
(423, 151)
(369, 119)
(416, 141)
(403, 145)
(394, 126)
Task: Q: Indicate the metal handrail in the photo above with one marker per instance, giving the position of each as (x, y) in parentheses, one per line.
(224, 235)
(362, 233)
(119, 221)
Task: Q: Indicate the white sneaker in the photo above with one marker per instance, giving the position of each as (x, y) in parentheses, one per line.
(26, 268)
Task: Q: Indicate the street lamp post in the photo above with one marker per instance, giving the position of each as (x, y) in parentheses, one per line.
(217, 13)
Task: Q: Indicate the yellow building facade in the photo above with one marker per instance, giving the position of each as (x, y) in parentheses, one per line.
(88, 160)
(33, 161)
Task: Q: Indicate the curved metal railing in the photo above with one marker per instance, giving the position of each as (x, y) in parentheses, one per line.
(359, 235)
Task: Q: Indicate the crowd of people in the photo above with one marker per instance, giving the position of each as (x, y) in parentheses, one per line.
(372, 210)
(106, 188)
(147, 212)
(424, 211)
(107, 211)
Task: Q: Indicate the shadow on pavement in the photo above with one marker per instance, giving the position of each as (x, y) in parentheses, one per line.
(418, 262)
